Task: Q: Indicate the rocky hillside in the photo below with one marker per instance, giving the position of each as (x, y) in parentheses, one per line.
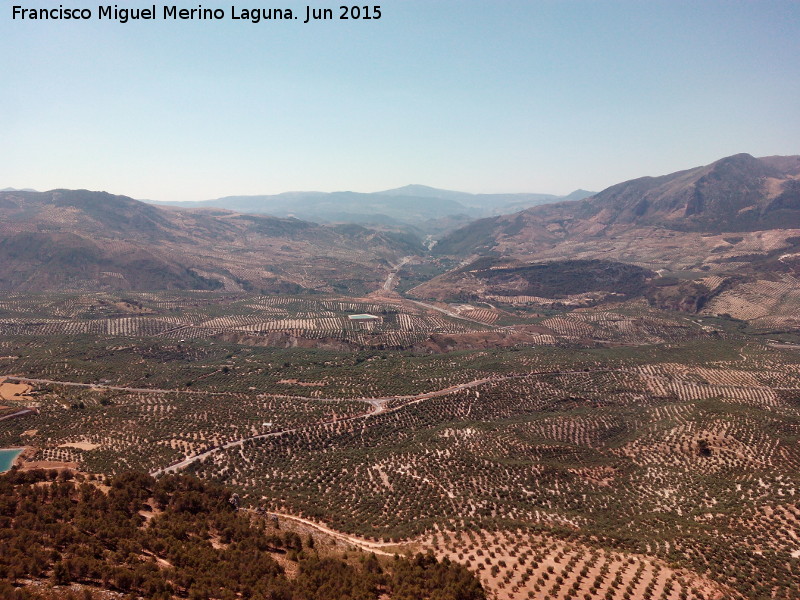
(76, 240)
(738, 193)
(735, 194)
(722, 239)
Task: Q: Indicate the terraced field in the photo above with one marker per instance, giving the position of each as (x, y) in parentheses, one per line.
(273, 320)
(521, 564)
(766, 304)
(616, 452)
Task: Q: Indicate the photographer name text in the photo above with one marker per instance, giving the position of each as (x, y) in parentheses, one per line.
(307, 14)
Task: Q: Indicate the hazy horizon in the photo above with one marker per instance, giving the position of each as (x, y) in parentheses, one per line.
(343, 191)
(520, 97)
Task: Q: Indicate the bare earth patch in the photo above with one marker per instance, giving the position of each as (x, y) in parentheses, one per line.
(48, 464)
(14, 391)
(80, 445)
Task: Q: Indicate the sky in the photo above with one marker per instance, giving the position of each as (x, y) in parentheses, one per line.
(537, 96)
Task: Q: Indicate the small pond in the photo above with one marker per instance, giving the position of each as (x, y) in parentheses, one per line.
(7, 456)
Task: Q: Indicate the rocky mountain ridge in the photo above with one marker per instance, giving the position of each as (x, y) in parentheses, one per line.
(739, 193)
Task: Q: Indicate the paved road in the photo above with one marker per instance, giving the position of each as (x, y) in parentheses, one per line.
(392, 277)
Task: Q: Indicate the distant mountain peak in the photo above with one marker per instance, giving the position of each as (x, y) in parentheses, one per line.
(79, 239)
(424, 191)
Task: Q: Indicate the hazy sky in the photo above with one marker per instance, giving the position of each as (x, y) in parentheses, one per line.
(503, 96)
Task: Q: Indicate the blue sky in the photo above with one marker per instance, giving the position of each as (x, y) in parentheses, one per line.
(507, 96)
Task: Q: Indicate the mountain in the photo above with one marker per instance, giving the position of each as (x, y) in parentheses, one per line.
(52, 261)
(736, 194)
(427, 210)
(77, 240)
(424, 191)
(482, 202)
(410, 213)
(578, 195)
(721, 239)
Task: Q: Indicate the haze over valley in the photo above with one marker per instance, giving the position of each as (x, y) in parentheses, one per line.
(418, 208)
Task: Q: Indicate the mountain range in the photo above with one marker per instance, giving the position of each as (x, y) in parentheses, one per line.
(738, 217)
(425, 209)
(597, 397)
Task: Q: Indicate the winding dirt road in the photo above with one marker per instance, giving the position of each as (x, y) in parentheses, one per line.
(377, 406)
(362, 543)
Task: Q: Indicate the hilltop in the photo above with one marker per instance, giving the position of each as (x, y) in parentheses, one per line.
(721, 239)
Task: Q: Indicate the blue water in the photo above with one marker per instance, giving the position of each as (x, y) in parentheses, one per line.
(7, 458)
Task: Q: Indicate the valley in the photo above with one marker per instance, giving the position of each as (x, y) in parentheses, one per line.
(592, 398)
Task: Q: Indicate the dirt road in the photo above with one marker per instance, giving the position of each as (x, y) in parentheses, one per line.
(118, 388)
(367, 545)
(377, 406)
(450, 313)
(20, 413)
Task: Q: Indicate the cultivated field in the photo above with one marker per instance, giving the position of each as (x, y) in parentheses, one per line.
(615, 452)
